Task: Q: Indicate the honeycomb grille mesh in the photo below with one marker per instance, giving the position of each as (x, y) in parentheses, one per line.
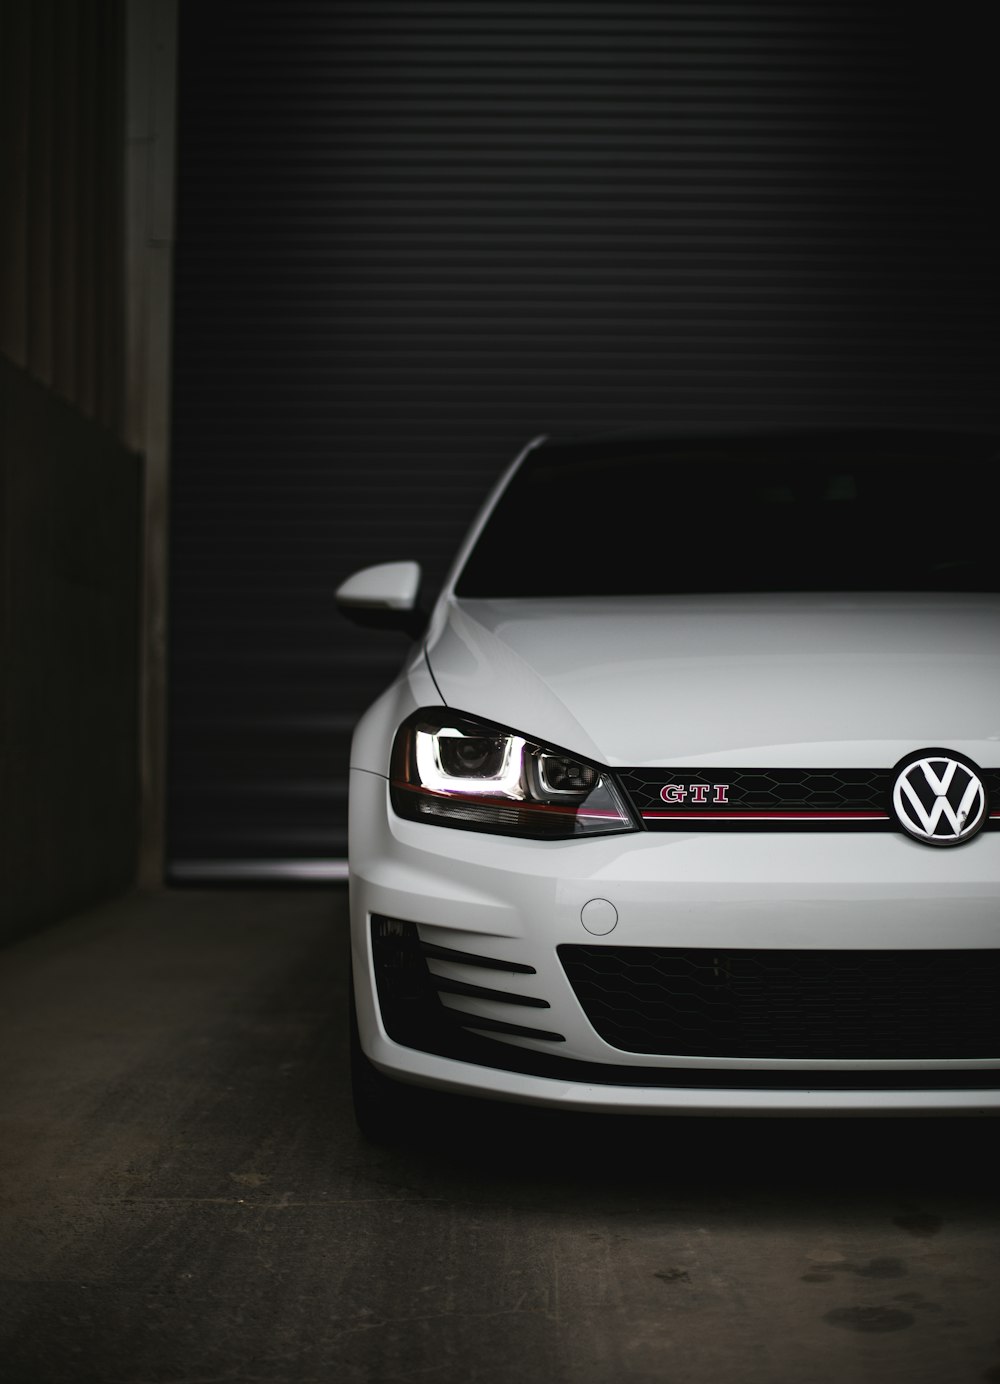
(790, 1004)
(762, 790)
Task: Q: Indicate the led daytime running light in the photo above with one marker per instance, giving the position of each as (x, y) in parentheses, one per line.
(432, 774)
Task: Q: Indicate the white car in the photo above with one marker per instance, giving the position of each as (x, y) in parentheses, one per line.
(686, 798)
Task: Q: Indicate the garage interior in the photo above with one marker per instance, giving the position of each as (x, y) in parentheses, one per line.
(283, 287)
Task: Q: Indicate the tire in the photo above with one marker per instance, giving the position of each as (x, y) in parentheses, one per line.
(383, 1109)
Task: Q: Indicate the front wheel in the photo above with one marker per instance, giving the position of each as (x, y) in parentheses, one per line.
(383, 1109)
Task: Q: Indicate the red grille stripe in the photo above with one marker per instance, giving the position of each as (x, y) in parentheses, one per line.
(768, 816)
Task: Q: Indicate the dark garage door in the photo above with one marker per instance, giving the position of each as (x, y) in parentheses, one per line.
(412, 235)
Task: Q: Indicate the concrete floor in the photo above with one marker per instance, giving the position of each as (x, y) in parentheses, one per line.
(185, 1198)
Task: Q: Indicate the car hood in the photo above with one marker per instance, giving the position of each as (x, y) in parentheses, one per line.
(776, 681)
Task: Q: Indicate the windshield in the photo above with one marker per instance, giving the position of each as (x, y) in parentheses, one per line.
(805, 513)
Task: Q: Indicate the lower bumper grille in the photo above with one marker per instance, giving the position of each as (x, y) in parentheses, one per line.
(699, 1002)
(413, 1014)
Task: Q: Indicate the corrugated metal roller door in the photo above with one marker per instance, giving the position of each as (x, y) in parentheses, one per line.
(412, 235)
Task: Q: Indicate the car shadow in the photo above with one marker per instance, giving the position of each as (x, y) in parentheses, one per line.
(570, 1155)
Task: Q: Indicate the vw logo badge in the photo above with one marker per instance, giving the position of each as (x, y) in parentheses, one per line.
(939, 798)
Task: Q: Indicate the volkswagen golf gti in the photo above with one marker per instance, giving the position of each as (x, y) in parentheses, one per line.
(686, 798)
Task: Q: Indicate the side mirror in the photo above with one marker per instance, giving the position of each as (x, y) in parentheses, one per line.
(384, 598)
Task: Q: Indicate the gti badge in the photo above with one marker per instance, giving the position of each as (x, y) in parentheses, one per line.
(674, 793)
(938, 798)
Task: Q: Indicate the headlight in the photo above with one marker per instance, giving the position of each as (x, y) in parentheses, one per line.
(460, 772)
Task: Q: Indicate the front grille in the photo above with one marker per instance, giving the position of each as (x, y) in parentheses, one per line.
(815, 790)
(700, 1002)
(771, 799)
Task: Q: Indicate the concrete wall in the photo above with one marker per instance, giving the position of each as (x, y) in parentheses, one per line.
(69, 582)
(84, 365)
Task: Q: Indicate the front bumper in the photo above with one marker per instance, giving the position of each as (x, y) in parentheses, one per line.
(513, 903)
